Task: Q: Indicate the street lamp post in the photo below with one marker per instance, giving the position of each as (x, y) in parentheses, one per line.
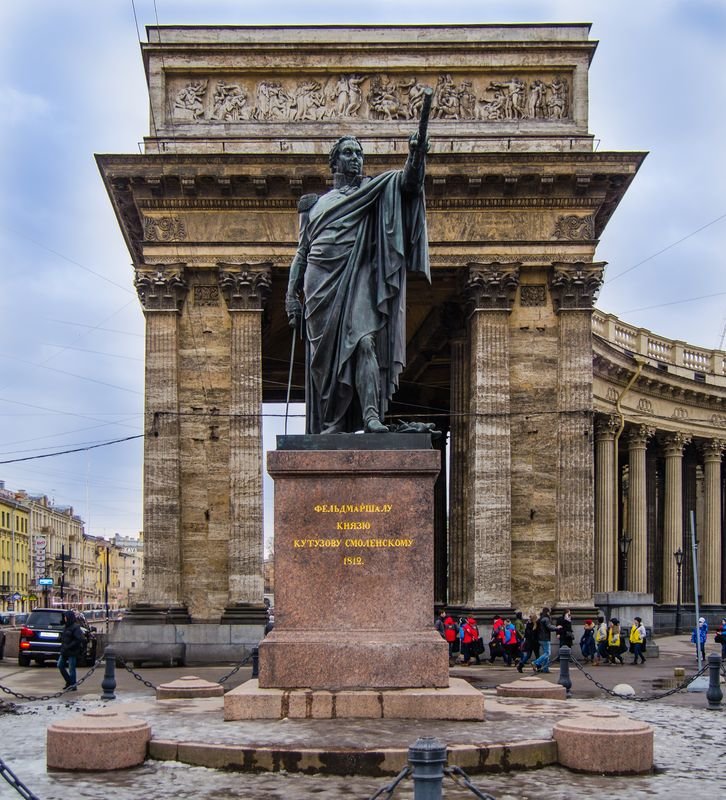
(624, 544)
(678, 555)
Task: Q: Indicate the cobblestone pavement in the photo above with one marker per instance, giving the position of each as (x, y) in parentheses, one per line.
(690, 741)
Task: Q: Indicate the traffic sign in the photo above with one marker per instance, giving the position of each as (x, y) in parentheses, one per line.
(45, 581)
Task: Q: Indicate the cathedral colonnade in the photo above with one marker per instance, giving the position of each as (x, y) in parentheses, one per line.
(660, 436)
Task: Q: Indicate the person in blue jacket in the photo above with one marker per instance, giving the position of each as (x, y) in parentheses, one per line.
(699, 636)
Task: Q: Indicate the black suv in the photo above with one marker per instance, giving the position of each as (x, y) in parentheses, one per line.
(40, 638)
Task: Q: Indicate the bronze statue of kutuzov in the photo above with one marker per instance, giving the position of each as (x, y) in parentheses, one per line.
(356, 244)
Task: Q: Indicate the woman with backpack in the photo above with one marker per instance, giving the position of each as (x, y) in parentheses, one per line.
(469, 641)
(530, 642)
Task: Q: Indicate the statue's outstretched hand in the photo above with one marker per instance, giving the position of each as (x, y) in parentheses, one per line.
(293, 307)
(413, 143)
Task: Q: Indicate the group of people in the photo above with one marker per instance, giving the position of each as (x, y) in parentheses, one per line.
(518, 641)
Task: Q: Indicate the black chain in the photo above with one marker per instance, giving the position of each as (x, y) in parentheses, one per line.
(678, 688)
(391, 787)
(236, 669)
(454, 772)
(15, 782)
(67, 689)
(138, 677)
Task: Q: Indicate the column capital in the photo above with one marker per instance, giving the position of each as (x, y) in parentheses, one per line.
(712, 449)
(161, 287)
(574, 287)
(246, 287)
(638, 435)
(490, 286)
(673, 444)
(606, 426)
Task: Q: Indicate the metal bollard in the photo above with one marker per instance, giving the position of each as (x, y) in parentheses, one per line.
(255, 662)
(564, 679)
(427, 756)
(108, 684)
(714, 693)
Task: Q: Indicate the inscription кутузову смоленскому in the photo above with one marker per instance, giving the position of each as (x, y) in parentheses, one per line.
(362, 525)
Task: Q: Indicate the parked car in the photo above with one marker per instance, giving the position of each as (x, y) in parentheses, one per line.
(40, 638)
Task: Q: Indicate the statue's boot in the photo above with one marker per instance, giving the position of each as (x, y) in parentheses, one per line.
(374, 425)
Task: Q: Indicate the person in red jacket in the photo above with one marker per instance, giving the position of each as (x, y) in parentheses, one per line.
(451, 634)
(468, 643)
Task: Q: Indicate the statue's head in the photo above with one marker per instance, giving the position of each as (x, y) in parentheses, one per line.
(346, 157)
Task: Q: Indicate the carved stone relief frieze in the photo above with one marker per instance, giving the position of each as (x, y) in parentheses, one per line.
(206, 296)
(645, 406)
(379, 96)
(574, 228)
(533, 295)
(164, 229)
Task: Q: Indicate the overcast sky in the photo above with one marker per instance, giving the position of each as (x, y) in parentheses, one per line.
(72, 84)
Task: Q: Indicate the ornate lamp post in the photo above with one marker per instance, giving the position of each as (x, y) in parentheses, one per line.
(624, 544)
(678, 555)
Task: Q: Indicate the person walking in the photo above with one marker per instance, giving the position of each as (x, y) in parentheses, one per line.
(519, 625)
(496, 640)
(614, 641)
(469, 640)
(587, 642)
(439, 624)
(510, 643)
(545, 629)
(451, 632)
(699, 636)
(564, 629)
(72, 645)
(530, 643)
(637, 640)
(601, 642)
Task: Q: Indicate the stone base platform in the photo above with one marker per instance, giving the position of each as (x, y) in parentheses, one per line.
(188, 686)
(458, 701)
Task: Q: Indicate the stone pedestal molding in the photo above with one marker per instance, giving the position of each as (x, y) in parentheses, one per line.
(673, 445)
(711, 561)
(574, 289)
(532, 687)
(489, 291)
(162, 292)
(245, 289)
(188, 686)
(637, 576)
(605, 517)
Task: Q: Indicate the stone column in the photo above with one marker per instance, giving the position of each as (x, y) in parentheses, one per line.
(162, 292)
(710, 550)
(638, 509)
(574, 289)
(246, 289)
(673, 445)
(490, 293)
(458, 470)
(606, 528)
